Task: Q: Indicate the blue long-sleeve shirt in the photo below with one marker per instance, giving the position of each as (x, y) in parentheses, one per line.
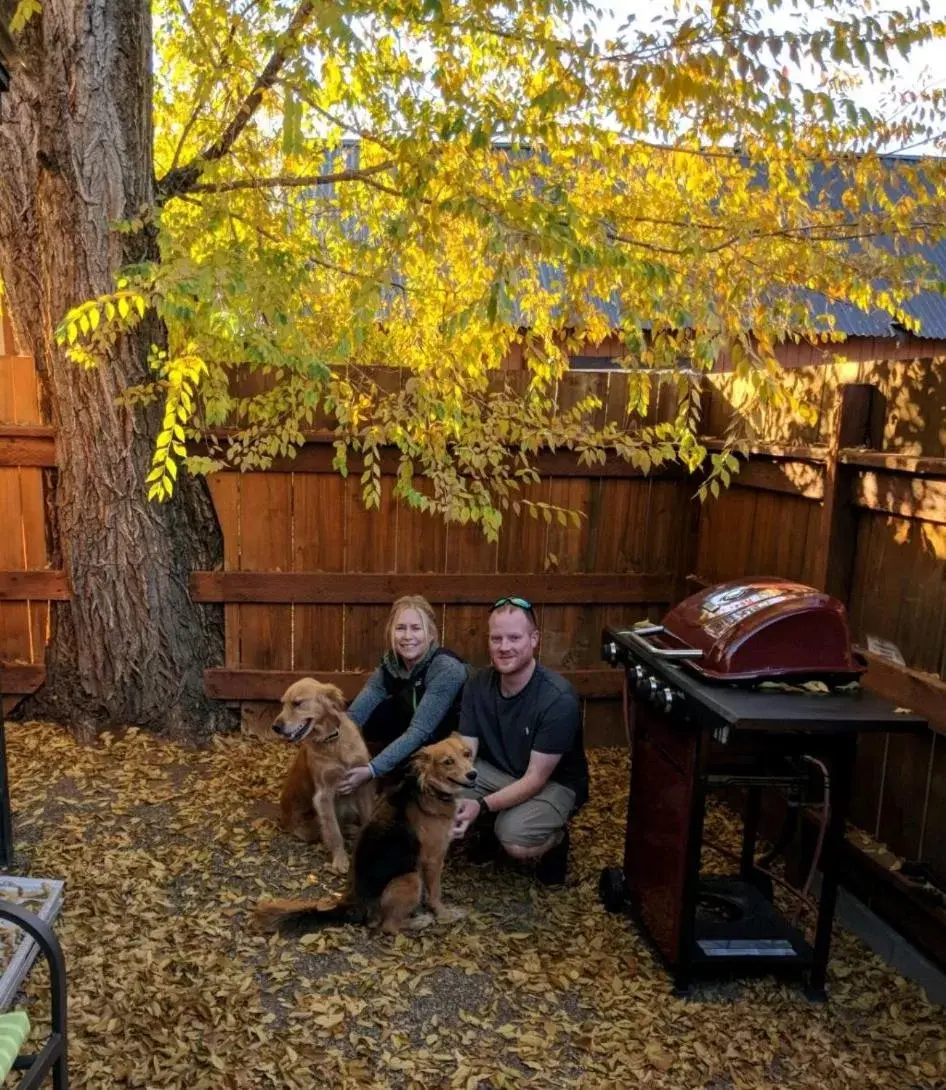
(445, 678)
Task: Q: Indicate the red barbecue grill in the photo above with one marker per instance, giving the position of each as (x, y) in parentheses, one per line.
(701, 722)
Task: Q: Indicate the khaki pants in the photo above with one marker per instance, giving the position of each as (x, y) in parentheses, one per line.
(532, 822)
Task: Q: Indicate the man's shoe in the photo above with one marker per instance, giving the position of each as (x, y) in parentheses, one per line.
(481, 848)
(552, 868)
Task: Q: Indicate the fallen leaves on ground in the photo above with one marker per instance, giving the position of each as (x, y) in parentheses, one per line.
(165, 850)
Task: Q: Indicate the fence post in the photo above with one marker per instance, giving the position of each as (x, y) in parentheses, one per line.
(858, 422)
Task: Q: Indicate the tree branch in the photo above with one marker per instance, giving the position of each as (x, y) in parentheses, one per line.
(286, 180)
(184, 178)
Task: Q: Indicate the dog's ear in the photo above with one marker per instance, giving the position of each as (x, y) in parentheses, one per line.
(421, 766)
(331, 703)
(335, 695)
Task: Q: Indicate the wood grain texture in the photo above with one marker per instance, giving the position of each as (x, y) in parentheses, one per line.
(26, 450)
(371, 547)
(225, 494)
(265, 685)
(21, 586)
(906, 497)
(266, 544)
(20, 678)
(483, 589)
(465, 626)
(319, 538)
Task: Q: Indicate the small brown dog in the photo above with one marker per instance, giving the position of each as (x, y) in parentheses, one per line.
(310, 807)
(399, 854)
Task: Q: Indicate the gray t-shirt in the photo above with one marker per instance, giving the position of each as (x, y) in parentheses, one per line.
(544, 716)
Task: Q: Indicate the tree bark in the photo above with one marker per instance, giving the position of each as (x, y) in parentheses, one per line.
(75, 156)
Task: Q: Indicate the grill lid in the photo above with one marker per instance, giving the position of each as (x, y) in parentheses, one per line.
(761, 629)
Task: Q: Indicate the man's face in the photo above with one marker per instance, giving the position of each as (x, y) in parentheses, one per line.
(512, 640)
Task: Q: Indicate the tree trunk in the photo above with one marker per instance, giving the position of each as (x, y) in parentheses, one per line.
(76, 156)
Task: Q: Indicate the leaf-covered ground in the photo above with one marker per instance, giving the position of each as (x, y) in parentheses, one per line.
(164, 851)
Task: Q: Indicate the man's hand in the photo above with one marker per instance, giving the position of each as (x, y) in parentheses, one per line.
(468, 810)
(354, 778)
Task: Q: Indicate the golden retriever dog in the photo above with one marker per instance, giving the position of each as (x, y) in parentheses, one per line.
(313, 717)
(399, 854)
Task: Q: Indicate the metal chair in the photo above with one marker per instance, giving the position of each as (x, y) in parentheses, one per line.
(52, 1056)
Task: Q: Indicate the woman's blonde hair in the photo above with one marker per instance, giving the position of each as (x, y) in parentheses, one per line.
(424, 610)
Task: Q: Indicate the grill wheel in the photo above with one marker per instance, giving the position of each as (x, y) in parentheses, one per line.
(611, 889)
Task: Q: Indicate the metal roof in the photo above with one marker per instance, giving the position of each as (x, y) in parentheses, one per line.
(928, 307)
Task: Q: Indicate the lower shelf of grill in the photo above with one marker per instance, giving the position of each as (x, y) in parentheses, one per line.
(737, 927)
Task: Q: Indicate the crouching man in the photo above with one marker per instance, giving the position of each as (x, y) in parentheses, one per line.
(523, 722)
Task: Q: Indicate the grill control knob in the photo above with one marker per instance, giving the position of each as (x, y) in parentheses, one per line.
(609, 652)
(652, 688)
(667, 698)
(638, 678)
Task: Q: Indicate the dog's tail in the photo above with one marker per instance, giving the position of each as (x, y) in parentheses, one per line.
(296, 917)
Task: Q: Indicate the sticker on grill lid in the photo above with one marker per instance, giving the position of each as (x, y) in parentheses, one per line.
(724, 609)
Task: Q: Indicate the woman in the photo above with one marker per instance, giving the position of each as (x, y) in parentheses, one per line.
(413, 698)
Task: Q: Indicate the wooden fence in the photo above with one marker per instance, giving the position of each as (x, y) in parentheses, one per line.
(854, 501)
(26, 585)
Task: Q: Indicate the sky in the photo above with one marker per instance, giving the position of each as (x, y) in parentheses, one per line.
(926, 65)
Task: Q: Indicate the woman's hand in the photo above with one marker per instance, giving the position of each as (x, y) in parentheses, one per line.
(467, 811)
(354, 778)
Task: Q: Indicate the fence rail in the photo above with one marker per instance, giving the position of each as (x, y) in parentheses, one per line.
(356, 588)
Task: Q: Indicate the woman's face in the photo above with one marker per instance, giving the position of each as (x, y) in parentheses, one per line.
(410, 638)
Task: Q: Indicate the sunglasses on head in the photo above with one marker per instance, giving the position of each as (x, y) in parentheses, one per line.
(519, 603)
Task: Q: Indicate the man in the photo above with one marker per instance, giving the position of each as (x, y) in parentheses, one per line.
(523, 722)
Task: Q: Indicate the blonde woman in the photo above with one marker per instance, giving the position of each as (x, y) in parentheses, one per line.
(413, 698)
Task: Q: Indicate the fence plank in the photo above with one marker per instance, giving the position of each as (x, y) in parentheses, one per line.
(21, 679)
(25, 390)
(794, 478)
(924, 694)
(225, 493)
(868, 782)
(265, 544)
(317, 454)
(14, 612)
(565, 642)
(465, 626)
(906, 497)
(372, 545)
(421, 537)
(269, 685)
(858, 420)
(896, 463)
(32, 504)
(904, 798)
(934, 843)
(319, 513)
(466, 589)
(21, 586)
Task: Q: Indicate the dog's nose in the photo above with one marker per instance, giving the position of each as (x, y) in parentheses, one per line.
(279, 726)
(471, 776)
